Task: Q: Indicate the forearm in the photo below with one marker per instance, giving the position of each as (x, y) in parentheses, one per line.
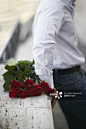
(43, 63)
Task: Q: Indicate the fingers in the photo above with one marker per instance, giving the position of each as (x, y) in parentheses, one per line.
(54, 95)
(53, 102)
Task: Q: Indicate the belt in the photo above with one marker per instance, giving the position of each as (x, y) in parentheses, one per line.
(67, 71)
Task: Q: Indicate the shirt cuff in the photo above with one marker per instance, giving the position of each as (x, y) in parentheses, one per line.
(48, 80)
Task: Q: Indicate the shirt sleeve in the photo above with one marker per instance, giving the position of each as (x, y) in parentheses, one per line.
(48, 25)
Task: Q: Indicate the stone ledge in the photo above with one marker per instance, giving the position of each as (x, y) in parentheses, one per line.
(28, 113)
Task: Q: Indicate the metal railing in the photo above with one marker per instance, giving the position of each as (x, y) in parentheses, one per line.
(19, 34)
(9, 48)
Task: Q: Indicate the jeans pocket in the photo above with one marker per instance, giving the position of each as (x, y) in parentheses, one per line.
(70, 82)
(79, 81)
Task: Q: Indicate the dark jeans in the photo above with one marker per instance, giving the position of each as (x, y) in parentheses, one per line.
(74, 110)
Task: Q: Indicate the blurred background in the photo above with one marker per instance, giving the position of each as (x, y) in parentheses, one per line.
(16, 18)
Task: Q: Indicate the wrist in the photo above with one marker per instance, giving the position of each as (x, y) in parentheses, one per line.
(54, 88)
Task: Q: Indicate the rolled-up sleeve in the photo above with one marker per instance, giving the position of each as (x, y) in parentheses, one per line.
(48, 26)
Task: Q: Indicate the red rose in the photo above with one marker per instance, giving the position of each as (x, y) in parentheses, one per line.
(45, 86)
(51, 91)
(27, 93)
(31, 92)
(37, 90)
(23, 94)
(18, 94)
(12, 93)
(28, 83)
(15, 85)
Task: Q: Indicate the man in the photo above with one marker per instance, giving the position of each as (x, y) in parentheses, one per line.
(55, 48)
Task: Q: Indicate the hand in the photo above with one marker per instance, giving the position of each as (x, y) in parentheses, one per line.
(53, 102)
(54, 97)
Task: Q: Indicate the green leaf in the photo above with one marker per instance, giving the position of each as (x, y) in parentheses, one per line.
(26, 70)
(34, 76)
(7, 89)
(26, 67)
(17, 67)
(24, 62)
(10, 68)
(21, 76)
(6, 84)
(7, 73)
(18, 73)
(33, 62)
(21, 66)
(9, 78)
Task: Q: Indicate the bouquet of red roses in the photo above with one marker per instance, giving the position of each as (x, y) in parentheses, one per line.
(21, 81)
(30, 89)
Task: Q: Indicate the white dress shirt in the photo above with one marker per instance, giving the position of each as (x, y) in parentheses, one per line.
(54, 38)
